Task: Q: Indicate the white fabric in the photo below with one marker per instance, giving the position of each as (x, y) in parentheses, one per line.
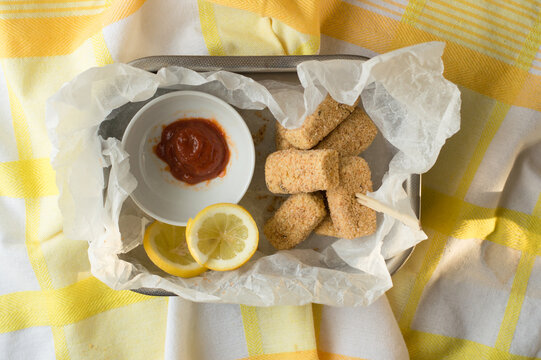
(516, 134)
(29, 343)
(8, 146)
(377, 335)
(215, 331)
(527, 338)
(204, 331)
(153, 31)
(15, 267)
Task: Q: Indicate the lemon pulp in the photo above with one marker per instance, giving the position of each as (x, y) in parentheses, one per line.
(222, 236)
(166, 247)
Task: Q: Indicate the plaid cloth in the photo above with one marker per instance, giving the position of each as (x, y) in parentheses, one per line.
(472, 290)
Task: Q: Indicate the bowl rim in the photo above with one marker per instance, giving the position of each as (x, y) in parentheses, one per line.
(239, 119)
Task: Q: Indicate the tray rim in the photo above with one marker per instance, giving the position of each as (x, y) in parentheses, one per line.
(266, 64)
(239, 64)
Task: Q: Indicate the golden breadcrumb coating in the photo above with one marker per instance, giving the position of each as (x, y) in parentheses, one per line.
(294, 220)
(351, 219)
(301, 171)
(281, 142)
(316, 126)
(352, 136)
(326, 228)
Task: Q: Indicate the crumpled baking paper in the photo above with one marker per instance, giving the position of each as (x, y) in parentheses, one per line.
(415, 108)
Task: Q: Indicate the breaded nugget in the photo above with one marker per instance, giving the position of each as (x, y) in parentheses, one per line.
(351, 219)
(294, 220)
(301, 171)
(326, 227)
(316, 126)
(352, 136)
(281, 142)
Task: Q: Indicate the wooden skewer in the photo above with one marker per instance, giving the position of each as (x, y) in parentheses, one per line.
(409, 220)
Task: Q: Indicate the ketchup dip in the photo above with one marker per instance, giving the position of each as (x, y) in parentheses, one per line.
(195, 149)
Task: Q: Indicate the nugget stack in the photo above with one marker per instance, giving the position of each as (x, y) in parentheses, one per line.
(336, 133)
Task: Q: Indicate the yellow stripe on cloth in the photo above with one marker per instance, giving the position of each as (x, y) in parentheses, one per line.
(20, 126)
(296, 355)
(316, 313)
(489, 42)
(385, 10)
(35, 254)
(471, 66)
(430, 262)
(50, 36)
(358, 26)
(524, 5)
(489, 131)
(286, 328)
(251, 330)
(531, 45)
(514, 305)
(37, 260)
(516, 298)
(208, 27)
(44, 10)
(278, 329)
(476, 26)
(28, 179)
(229, 31)
(404, 280)
(501, 4)
(302, 15)
(474, 42)
(323, 355)
(457, 218)
(537, 209)
(101, 53)
(23, 4)
(60, 307)
(480, 72)
(496, 27)
(309, 47)
(60, 343)
(31, 179)
(494, 14)
(413, 11)
(428, 346)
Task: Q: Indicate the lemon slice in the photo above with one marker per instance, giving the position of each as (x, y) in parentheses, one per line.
(222, 237)
(166, 246)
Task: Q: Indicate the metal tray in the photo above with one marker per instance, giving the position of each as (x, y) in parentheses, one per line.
(258, 68)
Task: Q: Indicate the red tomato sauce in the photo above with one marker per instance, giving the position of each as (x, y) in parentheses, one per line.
(195, 149)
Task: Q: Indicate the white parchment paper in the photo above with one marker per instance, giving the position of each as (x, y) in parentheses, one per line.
(415, 108)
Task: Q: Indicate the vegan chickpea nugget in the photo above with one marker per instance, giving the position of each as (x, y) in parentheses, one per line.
(351, 219)
(301, 171)
(294, 220)
(316, 126)
(352, 136)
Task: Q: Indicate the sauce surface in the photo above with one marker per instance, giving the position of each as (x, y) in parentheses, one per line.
(195, 149)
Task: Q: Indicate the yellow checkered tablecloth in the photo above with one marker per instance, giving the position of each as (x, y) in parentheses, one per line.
(473, 290)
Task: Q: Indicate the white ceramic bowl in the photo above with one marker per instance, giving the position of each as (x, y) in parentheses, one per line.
(158, 193)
